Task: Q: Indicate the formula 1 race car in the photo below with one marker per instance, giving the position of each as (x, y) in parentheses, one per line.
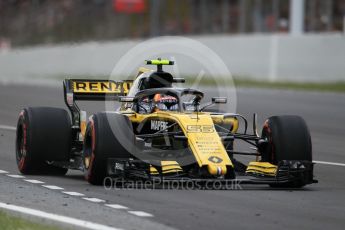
(159, 131)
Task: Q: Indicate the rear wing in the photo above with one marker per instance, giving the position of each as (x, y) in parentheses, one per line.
(91, 90)
(96, 90)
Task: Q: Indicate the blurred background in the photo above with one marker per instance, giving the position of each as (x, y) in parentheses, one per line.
(31, 22)
(273, 40)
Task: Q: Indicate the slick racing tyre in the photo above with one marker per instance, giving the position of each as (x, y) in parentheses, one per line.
(43, 135)
(103, 141)
(288, 139)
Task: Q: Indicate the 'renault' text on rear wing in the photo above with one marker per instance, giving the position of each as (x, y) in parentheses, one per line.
(91, 90)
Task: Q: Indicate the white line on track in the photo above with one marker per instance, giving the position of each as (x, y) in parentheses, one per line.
(92, 199)
(53, 187)
(55, 217)
(15, 176)
(7, 127)
(329, 163)
(73, 193)
(116, 206)
(3, 171)
(35, 181)
(140, 213)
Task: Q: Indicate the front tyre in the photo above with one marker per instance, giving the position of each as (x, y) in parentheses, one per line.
(288, 139)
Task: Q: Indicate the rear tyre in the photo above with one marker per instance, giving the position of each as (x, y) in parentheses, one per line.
(288, 139)
(43, 135)
(108, 135)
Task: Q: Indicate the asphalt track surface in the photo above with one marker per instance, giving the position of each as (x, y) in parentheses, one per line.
(317, 206)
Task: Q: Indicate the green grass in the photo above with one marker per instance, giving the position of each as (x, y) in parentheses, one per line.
(307, 86)
(247, 82)
(251, 83)
(8, 222)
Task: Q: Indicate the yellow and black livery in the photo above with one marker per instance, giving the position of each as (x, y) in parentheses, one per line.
(142, 141)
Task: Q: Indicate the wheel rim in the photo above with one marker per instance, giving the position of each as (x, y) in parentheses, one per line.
(87, 152)
(268, 151)
(21, 143)
(87, 162)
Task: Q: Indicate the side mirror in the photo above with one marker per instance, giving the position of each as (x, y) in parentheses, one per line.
(127, 99)
(188, 106)
(219, 100)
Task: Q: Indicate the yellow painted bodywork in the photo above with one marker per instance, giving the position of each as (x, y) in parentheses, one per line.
(220, 120)
(170, 166)
(143, 70)
(203, 139)
(264, 168)
(167, 167)
(153, 170)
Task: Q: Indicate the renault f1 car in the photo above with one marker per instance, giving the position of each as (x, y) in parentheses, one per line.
(159, 131)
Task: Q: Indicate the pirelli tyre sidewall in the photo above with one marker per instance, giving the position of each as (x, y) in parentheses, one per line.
(100, 144)
(43, 135)
(288, 139)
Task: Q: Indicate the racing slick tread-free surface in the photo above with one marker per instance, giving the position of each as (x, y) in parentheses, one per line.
(43, 134)
(108, 135)
(289, 139)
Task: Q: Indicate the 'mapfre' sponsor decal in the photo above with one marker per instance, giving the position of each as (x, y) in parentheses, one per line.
(159, 125)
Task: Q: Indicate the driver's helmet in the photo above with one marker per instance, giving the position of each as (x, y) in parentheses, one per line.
(165, 102)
